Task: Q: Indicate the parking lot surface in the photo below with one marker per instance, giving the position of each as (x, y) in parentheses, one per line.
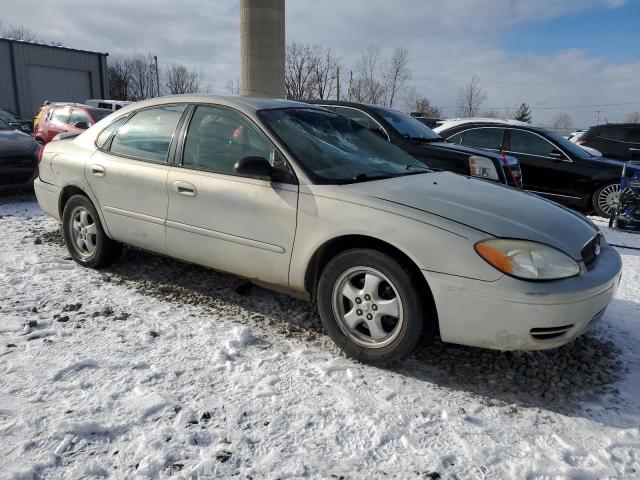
(155, 368)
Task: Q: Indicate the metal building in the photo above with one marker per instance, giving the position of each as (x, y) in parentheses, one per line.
(31, 73)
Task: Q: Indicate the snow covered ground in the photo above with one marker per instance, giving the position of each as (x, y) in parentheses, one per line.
(155, 368)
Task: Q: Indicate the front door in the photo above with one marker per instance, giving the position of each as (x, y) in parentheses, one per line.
(546, 170)
(128, 176)
(241, 225)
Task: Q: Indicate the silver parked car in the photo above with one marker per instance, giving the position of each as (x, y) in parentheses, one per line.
(300, 199)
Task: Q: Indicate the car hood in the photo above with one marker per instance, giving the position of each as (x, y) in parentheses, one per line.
(13, 142)
(491, 208)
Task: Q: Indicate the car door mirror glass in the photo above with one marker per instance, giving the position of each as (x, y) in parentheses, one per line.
(254, 167)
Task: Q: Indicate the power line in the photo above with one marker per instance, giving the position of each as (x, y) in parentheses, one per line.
(555, 107)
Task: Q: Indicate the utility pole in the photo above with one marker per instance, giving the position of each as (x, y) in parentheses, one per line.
(155, 59)
(338, 83)
(350, 83)
(598, 112)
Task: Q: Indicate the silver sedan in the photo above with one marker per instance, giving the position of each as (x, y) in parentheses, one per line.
(302, 200)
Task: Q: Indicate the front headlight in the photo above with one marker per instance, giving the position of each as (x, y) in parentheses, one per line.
(482, 167)
(527, 260)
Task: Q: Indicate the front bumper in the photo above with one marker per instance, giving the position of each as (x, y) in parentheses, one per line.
(511, 314)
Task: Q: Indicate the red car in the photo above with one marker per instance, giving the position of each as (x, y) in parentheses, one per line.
(66, 117)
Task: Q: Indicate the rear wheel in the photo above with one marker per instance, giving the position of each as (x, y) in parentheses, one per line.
(370, 307)
(86, 241)
(605, 199)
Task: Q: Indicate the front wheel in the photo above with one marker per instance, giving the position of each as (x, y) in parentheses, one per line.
(86, 241)
(370, 307)
(605, 199)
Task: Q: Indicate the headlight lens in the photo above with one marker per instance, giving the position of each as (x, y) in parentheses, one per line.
(482, 167)
(527, 260)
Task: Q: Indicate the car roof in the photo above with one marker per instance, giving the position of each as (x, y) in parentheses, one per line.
(340, 103)
(455, 122)
(248, 105)
(614, 125)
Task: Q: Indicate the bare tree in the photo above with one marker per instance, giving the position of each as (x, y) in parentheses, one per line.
(633, 117)
(366, 87)
(233, 86)
(562, 123)
(143, 76)
(178, 80)
(300, 65)
(324, 72)
(470, 98)
(396, 75)
(423, 106)
(20, 32)
(119, 78)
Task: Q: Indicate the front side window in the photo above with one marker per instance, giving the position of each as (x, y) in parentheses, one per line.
(358, 116)
(530, 143)
(407, 126)
(490, 138)
(217, 138)
(61, 116)
(333, 149)
(148, 134)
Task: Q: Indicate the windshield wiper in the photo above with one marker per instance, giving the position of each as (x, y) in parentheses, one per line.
(365, 177)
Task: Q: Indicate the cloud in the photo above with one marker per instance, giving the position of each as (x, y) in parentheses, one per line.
(448, 42)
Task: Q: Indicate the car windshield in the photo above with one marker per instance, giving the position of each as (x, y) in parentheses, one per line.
(98, 113)
(333, 149)
(407, 126)
(568, 145)
(4, 125)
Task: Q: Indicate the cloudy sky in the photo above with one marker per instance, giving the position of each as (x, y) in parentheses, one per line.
(578, 56)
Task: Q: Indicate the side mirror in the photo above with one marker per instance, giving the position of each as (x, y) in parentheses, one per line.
(254, 167)
(82, 125)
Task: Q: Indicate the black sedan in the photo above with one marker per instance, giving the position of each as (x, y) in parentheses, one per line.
(15, 122)
(615, 140)
(425, 145)
(551, 165)
(18, 158)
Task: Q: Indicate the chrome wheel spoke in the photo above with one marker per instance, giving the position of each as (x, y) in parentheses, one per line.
(80, 243)
(389, 308)
(371, 284)
(350, 292)
(376, 330)
(90, 243)
(352, 318)
(91, 229)
(84, 218)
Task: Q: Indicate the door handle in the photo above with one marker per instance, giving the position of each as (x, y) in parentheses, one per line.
(98, 170)
(184, 188)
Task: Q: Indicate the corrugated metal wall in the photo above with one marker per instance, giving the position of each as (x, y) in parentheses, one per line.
(43, 72)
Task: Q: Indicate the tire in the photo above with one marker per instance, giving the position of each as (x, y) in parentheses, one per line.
(86, 241)
(376, 282)
(603, 197)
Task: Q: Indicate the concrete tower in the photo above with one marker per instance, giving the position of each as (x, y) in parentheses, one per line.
(262, 48)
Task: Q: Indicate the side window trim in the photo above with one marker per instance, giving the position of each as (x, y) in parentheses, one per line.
(556, 147)
(131, 115)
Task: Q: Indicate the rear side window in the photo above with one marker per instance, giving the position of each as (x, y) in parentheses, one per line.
(490, 138)
(78, 115)
(61, 115)
(147, 135)
(217, 138)
(358, 116)
(530, 143)
(106, 133)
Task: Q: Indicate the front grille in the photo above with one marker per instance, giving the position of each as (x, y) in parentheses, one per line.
(550, 333)
(591, 252)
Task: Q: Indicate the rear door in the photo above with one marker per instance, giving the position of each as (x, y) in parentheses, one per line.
(545, 168)
(128, 175)
(241, 225)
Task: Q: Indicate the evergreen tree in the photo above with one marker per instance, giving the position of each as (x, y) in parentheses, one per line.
(523, 113)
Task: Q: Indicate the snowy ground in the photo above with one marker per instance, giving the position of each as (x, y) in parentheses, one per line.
(158, 369)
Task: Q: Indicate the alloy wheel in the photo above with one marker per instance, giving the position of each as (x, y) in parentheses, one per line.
(608, 198)
(367, 307)
(84, 232)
